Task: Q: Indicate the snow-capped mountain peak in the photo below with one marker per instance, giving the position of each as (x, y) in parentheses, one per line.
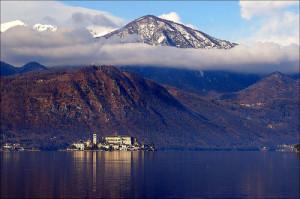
(11, 24)
(38, 27)
(44, 27)
(98, 31)
(156, 31)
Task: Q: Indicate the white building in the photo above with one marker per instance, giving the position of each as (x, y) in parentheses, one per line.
(120, 140)
(88, 143)
(94, 138)
(102, 146)
(7, 146)
(79, 146)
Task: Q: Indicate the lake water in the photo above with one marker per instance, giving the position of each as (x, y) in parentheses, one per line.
(161, 174)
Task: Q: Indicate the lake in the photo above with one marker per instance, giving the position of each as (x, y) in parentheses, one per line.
(160, 174)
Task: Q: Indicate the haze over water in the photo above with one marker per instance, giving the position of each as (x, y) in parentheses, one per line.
(161, 174)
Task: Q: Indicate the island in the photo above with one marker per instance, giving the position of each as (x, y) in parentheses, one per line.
(111, 143)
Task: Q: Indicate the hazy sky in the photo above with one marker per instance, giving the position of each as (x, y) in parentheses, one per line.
(275, 23)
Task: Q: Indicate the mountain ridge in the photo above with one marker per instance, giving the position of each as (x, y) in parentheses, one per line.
(8, 69)
(153, 30)
(56, 107)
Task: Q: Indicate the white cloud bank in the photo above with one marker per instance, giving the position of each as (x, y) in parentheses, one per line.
(77, 47)
(277, 21)
(250, 9)
(58, 14)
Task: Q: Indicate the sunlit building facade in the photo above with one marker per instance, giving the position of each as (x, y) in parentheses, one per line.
(120, 140)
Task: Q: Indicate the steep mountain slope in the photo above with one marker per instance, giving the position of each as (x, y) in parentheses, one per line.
(73, 104)
(243, 122)
(274, 86)
(155, 31)
(272, 102)
(201, 82)
(54, 108)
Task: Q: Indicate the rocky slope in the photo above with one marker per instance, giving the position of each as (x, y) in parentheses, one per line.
(72, 104)
(155, 31)
(197, 81)
(272, 102)
(274, 86)
(54, 108)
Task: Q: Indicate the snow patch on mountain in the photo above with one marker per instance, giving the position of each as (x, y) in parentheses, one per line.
(98, 31)
(44, 27)
(11, 24)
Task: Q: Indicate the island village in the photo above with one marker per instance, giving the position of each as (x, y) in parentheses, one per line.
(108, 143)
(111, 143)
(122, 143)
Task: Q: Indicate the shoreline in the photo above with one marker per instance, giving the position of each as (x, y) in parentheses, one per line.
(160, 150)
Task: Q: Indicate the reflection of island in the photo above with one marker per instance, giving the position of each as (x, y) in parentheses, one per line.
(110, 172)
(94, 184)
(120, 169)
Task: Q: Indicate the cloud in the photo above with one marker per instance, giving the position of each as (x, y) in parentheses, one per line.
(282, 29)
(75, 47)
(56, 13)
(272, 21)
(262, 57)
(72, 43)
(250, 9)
(173, 16)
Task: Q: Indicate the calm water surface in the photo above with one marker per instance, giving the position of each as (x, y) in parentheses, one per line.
(161, 174)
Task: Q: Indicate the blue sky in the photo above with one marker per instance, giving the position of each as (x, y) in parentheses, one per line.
(219, 18)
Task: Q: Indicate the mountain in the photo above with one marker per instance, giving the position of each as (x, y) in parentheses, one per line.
(32, 66)
(11, 24)
(98, 31)
(155, 31)
(197, 81)
(38, 27)
(56, 107)
(272, 102)
(148, 29)
(7, 69)
(274, 86)
(71, 104)
(278, 123)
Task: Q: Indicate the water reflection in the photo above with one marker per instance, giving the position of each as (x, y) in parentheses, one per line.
(94, 189)
(123, 174)
(110, 172)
